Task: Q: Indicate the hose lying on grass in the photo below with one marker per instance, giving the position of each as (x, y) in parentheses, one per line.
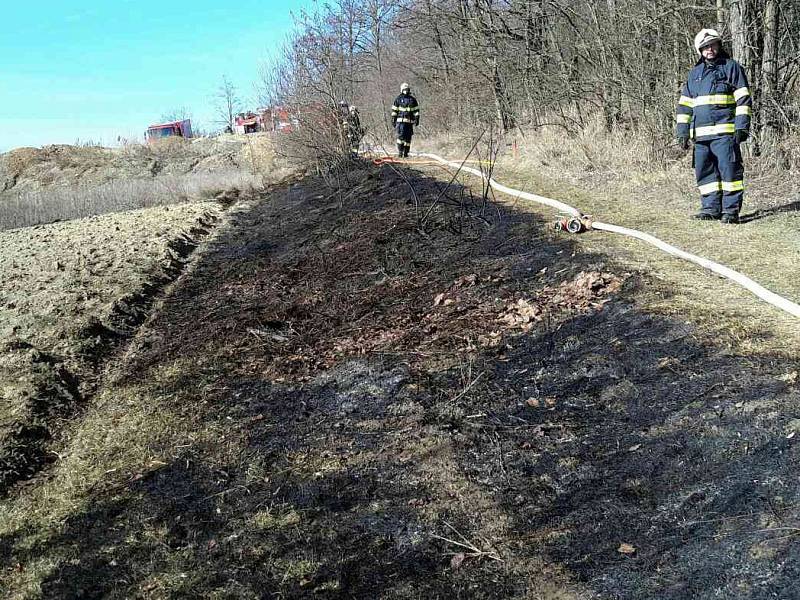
(776, 300)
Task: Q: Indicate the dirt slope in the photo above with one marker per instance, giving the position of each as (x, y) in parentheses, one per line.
(31, 169)
(334, 402)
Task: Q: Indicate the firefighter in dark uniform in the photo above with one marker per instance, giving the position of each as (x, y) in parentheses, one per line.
(353, 129)
(714, 111)
(405, 114)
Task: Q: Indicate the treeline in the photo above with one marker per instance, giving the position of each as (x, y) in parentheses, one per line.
(528, 63)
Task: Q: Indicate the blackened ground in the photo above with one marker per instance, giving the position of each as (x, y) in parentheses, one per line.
(464, 408)
(658, 441)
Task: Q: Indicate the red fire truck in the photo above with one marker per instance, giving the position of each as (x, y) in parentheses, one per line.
(282, 121)
(249, 122)
(171, 129)
(274, 118)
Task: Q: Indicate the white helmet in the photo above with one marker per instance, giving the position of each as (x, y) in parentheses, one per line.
(404, 86)
(706, 37)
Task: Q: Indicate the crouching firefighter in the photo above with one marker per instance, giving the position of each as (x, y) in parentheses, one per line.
(714, 110)
(405, 114)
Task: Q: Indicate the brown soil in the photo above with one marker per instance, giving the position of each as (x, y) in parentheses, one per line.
(468, 408)
(71, 293)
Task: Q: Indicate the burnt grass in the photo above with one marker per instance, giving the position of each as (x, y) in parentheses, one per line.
(464, 408)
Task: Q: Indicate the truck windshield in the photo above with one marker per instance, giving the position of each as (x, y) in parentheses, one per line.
(161, 132)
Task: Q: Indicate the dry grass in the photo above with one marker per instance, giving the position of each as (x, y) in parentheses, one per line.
(57, 183)
(126, 436)
(62, 204)
(625, 179)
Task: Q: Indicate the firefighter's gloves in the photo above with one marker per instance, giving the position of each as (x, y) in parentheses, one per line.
(683, 142)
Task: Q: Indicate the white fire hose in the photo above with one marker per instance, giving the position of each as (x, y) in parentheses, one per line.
(778, 301)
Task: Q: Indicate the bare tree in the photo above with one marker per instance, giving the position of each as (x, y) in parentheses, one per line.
(227, 103)
(525, 63)
(180, 113)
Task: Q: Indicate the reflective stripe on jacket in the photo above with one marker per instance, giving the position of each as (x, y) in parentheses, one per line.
(715, 100)
(405, 110)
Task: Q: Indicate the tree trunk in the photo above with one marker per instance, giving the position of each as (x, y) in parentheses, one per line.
(742, 23)
(678, 68)
(770, 125)
(738, 19)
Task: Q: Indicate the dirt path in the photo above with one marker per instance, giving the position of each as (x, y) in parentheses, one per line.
(336, 403)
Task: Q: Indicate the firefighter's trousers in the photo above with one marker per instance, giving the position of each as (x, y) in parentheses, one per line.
(404, 133)
(720, 175)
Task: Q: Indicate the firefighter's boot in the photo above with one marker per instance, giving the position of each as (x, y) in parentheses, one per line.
(730, 218)
(706, 216)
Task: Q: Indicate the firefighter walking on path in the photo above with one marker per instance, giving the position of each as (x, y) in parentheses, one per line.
(714, 111)
(405, 114)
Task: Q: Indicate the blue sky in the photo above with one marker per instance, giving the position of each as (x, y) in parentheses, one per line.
(97, 70)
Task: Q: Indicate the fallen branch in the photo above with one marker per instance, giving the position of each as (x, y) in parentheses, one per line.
(474, 551)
